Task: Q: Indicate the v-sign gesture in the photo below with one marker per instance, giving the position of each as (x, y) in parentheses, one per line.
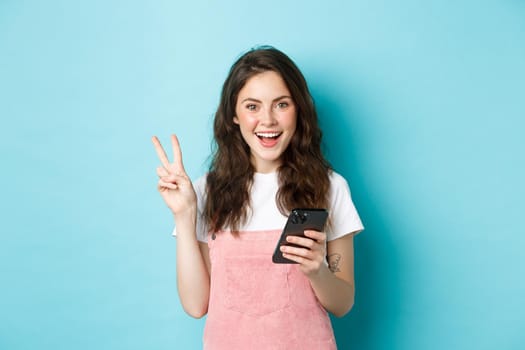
(175, 187)
(174, 184)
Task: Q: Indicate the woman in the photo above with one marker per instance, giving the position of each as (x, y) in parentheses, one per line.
(267, 161)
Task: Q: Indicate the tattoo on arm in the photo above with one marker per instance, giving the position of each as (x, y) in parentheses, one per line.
(334, 261)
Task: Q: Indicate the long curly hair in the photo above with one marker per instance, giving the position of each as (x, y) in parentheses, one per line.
(304, 173)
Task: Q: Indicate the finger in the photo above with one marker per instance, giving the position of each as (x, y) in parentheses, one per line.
(175, 178)
(315, 235)
(177, 154)
(160, 152)
(301, 257)
(163, 185)
(172, 178)
(296, 251)
(295, 258)
(302, 241)
(173, 182)
(161, 171)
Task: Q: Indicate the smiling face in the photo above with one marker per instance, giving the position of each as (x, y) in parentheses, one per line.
(267, 117)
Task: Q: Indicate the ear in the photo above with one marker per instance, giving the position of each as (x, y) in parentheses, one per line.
(236, 120)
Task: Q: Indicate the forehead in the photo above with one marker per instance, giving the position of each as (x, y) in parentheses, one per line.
(266, 85)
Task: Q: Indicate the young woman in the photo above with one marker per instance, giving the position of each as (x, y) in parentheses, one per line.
(267, 162)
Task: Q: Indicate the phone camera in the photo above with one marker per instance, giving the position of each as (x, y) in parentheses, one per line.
(299, 217)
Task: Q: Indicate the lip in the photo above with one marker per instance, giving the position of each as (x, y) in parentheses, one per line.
(271, 140)
(269, 133)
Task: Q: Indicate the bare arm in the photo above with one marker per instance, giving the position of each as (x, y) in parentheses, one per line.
(334, 284)
(175, 187)
(193, 279)
(332, 281)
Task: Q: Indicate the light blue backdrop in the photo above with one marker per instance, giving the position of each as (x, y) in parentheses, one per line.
(422, 104)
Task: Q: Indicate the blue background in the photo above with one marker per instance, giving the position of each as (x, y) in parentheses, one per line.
(422, 105)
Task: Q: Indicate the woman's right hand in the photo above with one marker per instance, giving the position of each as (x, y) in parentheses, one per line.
(174, 185)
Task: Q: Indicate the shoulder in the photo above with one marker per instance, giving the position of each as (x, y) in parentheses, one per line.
(335, 177)
(200, 181)
(200, 184)
(344, 217)
(339, 189)
(338, 182)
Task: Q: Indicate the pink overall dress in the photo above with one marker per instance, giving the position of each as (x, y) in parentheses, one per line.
(256, 304)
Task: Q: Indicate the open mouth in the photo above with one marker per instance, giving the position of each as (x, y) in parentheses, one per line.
(268, 135)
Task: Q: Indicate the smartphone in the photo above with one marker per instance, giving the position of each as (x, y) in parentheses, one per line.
(298, 221)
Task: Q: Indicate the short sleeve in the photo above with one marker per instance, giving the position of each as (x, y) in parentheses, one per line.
(344, 218)
(200, 190)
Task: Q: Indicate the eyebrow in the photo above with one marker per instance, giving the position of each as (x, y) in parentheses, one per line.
(275, 99)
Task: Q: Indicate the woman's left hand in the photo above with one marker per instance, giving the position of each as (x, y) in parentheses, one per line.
(311, 255)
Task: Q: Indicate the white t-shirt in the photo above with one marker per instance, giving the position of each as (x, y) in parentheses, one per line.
(266, 215)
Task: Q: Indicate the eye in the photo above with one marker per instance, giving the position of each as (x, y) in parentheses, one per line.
(282, 105)
(251, 107)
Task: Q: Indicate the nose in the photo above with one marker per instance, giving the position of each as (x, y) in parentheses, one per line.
(267, 117)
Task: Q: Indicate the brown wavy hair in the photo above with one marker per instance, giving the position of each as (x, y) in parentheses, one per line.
(304, 172)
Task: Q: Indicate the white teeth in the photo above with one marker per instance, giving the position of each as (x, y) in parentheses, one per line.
(267, 134)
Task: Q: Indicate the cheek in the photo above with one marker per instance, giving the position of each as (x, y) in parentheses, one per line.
(247, 121)
(290, 120)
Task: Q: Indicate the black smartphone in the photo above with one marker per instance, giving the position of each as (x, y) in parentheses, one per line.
(298, 221)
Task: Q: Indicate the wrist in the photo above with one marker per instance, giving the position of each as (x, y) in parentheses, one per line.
(185, 218)
(321, 274)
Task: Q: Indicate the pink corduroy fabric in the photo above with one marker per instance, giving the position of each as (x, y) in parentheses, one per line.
(256, 304)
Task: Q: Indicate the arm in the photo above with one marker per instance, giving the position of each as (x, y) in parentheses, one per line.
(332, 282)
(175, 187)
(193, 279)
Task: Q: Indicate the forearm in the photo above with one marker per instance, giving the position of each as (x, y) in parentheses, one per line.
(193, 279)
(334, 294)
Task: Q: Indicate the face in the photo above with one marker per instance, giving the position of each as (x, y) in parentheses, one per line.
(267, 117)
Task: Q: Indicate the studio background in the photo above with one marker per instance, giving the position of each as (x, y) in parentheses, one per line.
(422, 107)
